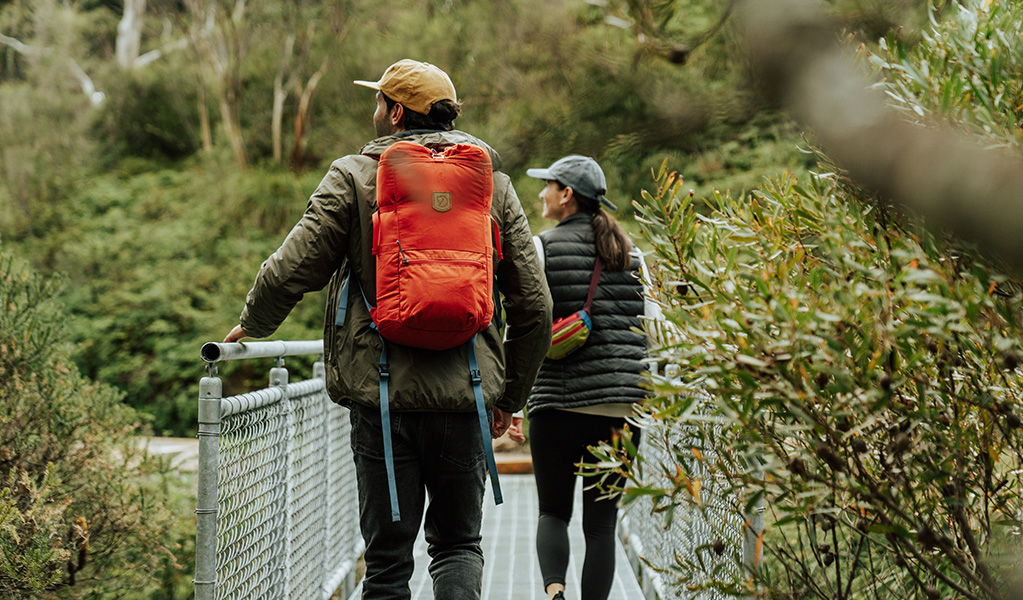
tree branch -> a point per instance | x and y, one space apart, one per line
158 53
280 95
949 178
94 96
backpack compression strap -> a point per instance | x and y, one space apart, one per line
496 235
481 412
385 425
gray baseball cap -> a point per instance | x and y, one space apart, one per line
581 173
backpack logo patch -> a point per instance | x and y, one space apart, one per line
442 201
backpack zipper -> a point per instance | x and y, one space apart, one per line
404 260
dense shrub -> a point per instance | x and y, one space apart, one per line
865 373
150 113
852 371
160 264
81 506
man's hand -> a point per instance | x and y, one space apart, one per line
502 421
236 334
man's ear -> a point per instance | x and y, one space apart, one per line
397 117
569 194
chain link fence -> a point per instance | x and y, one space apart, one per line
277 486
701 542
276 515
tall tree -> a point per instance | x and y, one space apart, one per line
129 33
219 35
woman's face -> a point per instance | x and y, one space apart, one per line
554 201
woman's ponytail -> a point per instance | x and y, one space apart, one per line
613 245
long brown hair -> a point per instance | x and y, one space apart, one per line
613 244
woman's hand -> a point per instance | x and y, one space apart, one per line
515 431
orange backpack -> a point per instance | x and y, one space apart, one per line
432 238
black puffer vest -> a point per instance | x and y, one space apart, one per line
608 368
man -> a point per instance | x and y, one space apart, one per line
436 438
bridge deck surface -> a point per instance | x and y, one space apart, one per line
509 537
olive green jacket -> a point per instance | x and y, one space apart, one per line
333 240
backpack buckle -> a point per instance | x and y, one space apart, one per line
474 375
384 369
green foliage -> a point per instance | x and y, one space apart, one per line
159 264
964 71
32 550
865 373
874 19
41 165
81 506
150 113
846 367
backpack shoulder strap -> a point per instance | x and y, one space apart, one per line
481 412
385 411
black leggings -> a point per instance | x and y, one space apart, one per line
558 440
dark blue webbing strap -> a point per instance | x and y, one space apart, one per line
497 306
481 412
342 301
385 424
385 408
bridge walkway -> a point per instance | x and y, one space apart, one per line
511 571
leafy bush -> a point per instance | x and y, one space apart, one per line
854 372
150 113
866 373
160 264
965 71
81 506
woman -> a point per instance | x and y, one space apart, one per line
582 399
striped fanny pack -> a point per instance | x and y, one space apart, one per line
571 332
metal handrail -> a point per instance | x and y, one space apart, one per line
213 352
214 410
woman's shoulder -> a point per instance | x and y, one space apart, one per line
571 231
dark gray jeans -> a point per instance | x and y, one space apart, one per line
440 454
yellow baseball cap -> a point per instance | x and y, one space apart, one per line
413 84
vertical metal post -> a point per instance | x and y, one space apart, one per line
752 540
210 393
279 378
328 519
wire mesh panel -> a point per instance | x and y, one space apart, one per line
286 506
307 480
251 503
699 541
343 537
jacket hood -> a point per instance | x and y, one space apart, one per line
431 138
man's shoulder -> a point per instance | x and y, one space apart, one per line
349 162
355 166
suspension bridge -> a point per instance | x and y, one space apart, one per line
277 510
